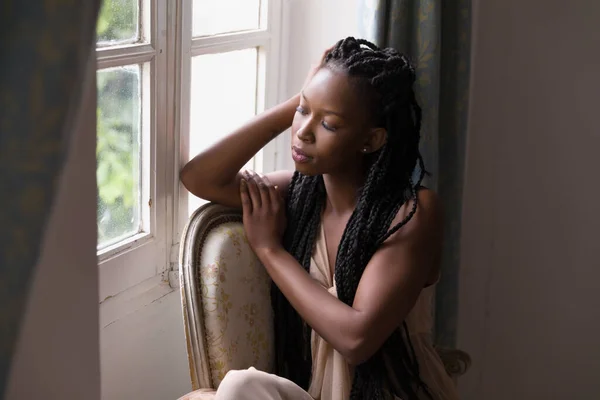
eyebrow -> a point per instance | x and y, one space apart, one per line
324 111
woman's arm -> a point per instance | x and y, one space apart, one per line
214 174
389 286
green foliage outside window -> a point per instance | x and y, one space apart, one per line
118 129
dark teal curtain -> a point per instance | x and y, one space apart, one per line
436 35
44 47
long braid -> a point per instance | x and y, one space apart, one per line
387 77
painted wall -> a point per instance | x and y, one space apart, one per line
529 294
142 344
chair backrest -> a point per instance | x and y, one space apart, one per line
225 298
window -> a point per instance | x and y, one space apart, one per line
230 50
173 77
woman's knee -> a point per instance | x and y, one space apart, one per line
239 384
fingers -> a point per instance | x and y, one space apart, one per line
253 190
245 197
263 186
260 191
325 53
274 197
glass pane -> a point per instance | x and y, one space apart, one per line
212 17
118 154
223 98
118 22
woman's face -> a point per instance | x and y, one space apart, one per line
330 127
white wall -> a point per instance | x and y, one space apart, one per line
142 344
57 354
529 293
313 26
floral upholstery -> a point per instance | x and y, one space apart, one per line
225 296
226 303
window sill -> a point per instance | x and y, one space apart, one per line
131 268
128 244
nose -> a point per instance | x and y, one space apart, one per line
305 132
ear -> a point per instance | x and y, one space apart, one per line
375 140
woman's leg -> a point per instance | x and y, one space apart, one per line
251 384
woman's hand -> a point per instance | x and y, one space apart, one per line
316 67
264 213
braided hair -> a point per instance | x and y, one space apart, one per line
386 78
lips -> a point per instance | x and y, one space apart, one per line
299 156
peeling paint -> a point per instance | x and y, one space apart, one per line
107 297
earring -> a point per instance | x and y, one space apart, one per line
365 150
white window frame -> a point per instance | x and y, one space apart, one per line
168 50
142 256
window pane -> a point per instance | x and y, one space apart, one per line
212 17
118 22
223 98
118 154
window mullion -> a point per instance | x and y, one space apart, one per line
163 135
182 108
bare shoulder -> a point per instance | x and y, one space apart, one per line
419 242
427 221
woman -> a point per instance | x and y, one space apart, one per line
351 239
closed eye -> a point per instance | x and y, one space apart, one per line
329 128
301 110
325 125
